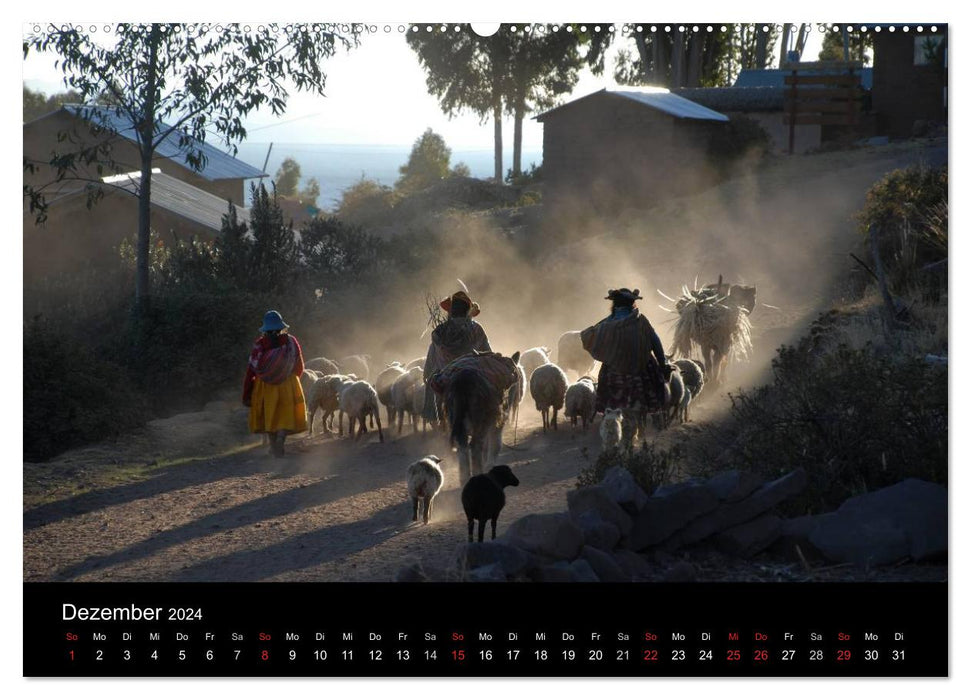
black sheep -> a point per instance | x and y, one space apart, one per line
483 497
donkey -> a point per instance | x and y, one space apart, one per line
475 411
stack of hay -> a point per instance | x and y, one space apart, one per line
706 319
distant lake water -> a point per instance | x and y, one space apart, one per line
338 166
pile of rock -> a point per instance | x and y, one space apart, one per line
615 532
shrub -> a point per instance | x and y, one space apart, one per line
527 177
908 209
367 203
855 419
650 466
73 394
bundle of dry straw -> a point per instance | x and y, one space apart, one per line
706 320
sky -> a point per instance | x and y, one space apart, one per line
375 94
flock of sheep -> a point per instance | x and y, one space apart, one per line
338 388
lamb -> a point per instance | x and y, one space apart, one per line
425 480
322 366
533 358
548 389
324 395
417 362
356 364
483 497
383 384
612 429
570 354
359 400
403 397
581 402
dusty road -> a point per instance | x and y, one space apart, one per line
333 510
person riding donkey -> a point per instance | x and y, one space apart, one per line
455 337
634 369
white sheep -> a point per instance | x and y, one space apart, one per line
425 480
322 366
417 362
533 358
383 382
581 402
357 365
323 395
418 405
612 429
359 400
547 386
403 397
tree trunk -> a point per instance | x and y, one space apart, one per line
146 147
647 70
801 40
677 61
784 44
694 60
761 47
517 136
497 121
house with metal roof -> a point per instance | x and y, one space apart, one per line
73 127
185 202
627 145
76 237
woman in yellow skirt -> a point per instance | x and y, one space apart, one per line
272 387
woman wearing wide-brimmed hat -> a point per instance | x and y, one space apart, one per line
456 336
272 386
634 368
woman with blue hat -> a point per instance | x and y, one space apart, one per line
272 386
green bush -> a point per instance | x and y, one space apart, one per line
650 466
908 211
855 419
367 203
73 394
527 177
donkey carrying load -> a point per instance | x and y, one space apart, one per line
475 388
714 319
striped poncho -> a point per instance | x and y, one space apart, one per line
628 345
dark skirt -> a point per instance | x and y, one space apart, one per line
641 392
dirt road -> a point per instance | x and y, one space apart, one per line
334 510
331 510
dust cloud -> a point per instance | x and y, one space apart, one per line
786 228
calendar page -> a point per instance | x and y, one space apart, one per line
567 349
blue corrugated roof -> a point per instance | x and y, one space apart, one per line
657 98
219 164
775 77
